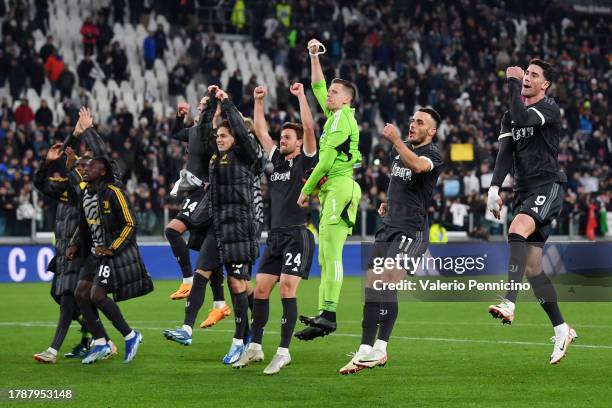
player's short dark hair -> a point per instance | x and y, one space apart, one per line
434 115
550 73
348 85
296 127
225 123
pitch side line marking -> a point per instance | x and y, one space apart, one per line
434 339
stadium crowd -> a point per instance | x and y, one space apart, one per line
451 56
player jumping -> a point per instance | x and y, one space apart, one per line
529 140
339 194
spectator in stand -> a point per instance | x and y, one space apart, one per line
119 63
90 33
44 115
235 88
150 51
195 53
125 119
178 80
17 79
48 49
161 42
213 56
7 209
23 114
36 74
84 71
65 82
54 67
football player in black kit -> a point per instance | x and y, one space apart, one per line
290 245
417 163
194 209
529 142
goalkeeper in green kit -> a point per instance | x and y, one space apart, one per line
339 194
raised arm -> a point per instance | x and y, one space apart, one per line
95 142
57 188
318 84
178 131
316 72
259 118
247 146
206 123
310 141
519 113
416 163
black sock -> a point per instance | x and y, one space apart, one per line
180 251
331 316
216 285
195 299
113 313
251 298
290 312
261 312
85 341
388 316
546 294
67 306
106 336
241 313
516 263
92 321
84 333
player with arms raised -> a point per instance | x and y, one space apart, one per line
339 194
529 142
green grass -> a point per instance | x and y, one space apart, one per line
441 355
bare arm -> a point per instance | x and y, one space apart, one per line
310 141
259 117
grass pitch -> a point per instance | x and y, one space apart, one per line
441 355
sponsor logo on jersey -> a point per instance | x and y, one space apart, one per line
522 133
401 172
276 176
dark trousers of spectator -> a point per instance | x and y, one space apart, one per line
41 21
88 83
65 93
15 92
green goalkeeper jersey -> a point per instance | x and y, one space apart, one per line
339 143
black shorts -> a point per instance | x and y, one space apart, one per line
289 251
88 268
392 241
543 204
209 260
195 209
104 275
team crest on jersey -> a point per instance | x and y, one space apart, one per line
224 159
106 205
402 172
522 133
